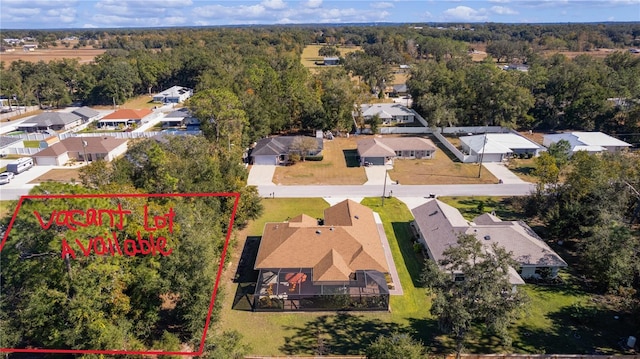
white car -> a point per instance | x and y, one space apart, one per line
6 177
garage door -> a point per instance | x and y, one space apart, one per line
264 160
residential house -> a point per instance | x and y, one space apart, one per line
86 113
81 149
592 142
175 94
496 147
126 118
29 47
389 113
331 61
176 118
276 150
53 121
382 150
7 142
438 226
337 263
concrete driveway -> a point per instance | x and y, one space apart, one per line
502 172
376 175
261 175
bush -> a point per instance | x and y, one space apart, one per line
314 158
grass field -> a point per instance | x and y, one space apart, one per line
84 55
560 318
310 54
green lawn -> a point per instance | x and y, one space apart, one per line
31 144
562 318
471 207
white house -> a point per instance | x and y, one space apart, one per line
389 113
175 94
438 225
495 147
592 142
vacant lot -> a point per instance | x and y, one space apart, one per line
83 55
65 175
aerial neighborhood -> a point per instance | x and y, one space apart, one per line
397 191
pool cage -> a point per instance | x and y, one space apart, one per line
291 289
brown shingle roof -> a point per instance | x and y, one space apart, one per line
74 144
348 241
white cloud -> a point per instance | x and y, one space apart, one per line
381 5
465 13
500 1
427 15
502 10
313 4
274 4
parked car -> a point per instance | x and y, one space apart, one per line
6 177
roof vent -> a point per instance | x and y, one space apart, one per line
318 231
356 217
331 229
487 237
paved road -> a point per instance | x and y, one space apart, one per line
397 190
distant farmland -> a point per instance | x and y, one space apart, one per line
83 55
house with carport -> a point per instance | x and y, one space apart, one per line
126 117
384 150
87 114
87 149
437 226
591 142
496 147
334 263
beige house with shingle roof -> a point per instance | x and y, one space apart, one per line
80 148
382 150
330 264
438 226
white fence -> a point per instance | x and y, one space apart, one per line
21 151
456 152
400 130
463 131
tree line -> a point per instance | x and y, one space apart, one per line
129 302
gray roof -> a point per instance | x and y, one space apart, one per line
400 88
86 112
47 119
180 113
386 110
440 225
6 141
277 145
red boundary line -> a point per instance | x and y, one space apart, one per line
112 195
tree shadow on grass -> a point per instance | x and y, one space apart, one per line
412 260
351 158
246 276
580 329
337 334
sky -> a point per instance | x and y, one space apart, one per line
59 14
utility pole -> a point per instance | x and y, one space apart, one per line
484 144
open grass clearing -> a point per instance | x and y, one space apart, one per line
523 168
83 55
139 102
310 54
